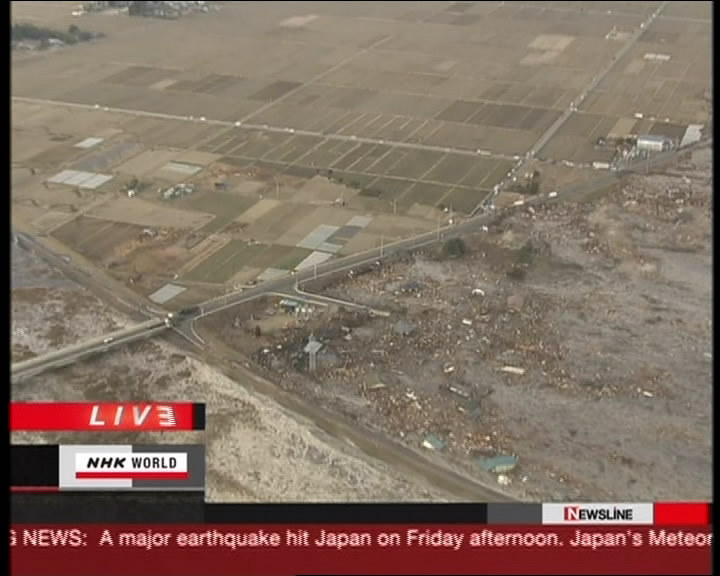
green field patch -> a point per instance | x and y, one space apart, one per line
451 169
298 171
217 203
354 180
268 166
415 164
291 259
225 263
260 144
378 205
386 162
294 154
319 156
373 155
425 193
371 193
193 295
236 161
482 168
497 174
341 148
353 156
215 143
387 188
225 208
278 256
464 201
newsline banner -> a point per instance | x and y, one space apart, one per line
237 550
173 507
107 416
49 468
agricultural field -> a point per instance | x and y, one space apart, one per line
397 118
224 207
237 254
294 133
96 239
324 113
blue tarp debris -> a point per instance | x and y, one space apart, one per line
498 464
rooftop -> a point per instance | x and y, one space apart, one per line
313 347
652 138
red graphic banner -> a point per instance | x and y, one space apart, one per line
237 550
86 416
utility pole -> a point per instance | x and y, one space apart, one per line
382 245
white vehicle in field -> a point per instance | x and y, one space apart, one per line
552 195
108 340
519 202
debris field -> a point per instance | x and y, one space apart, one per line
564 352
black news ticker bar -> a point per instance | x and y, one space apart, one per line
190 508
390 513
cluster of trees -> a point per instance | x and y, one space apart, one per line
530 187
454 248
30 32
137 8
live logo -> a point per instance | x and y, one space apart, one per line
135 416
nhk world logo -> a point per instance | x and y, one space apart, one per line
131 466
597 513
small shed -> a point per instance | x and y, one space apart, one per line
653 143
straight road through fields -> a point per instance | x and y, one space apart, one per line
240 125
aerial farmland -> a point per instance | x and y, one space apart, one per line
180 160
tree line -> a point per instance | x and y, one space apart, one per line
30 32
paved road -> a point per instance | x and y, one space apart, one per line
521 166
373 444
240 125
282 284
82 350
